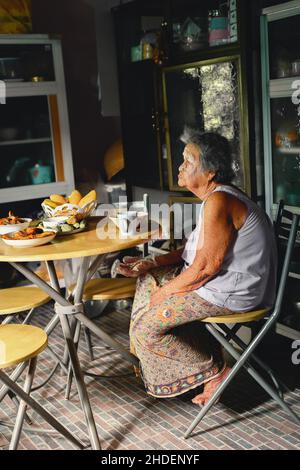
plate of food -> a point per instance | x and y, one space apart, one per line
64 225
12 223
29 237
74 204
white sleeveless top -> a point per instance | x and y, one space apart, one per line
247 279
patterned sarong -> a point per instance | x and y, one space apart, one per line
176 352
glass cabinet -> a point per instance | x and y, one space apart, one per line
205 96
34 129
180 64
195 28
281 104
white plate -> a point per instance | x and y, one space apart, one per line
54 223
29 243
5 229
76 230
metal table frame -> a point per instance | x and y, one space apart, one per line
72 307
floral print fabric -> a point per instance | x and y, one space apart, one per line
175 350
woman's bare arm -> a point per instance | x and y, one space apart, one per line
219 234
174 257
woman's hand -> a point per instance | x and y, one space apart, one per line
134 267
158 296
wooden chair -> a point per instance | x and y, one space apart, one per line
20 344
16 300
101 289
248 360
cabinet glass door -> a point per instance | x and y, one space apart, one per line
26 63
285 118
280 54
206 98
284 38
29 142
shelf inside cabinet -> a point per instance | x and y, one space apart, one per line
24 141
290 151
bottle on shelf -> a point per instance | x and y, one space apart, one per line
218 31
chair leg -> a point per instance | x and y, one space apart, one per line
28 317
14 376
88 340
7 320
279 385
70 371
39 409
241 362
212 399
22 406
15 401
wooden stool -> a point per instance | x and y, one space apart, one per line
21 299
109 289
101 289
18 344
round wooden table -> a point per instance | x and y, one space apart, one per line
82 245
79 245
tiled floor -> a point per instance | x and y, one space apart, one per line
129 419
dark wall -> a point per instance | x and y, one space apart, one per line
91 134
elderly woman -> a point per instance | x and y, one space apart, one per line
228 265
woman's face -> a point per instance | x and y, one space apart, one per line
190 175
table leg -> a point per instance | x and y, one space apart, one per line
54 292
107 339
85 274
82 392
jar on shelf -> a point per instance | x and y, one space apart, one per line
147 51
218 28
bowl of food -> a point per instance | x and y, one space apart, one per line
73 205
29 237
64 225
13 223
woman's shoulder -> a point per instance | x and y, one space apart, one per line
231 204
224 195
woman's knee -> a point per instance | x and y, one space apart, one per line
144 330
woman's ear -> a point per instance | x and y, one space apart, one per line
211 175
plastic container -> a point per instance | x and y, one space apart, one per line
10 69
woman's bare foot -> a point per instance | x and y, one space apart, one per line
210 388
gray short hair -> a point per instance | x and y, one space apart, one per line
215 153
